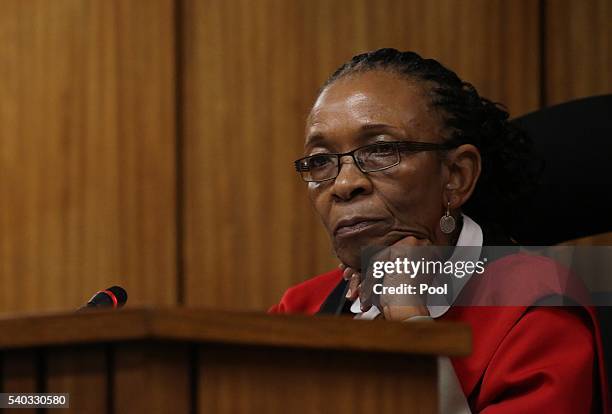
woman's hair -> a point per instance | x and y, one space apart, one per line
510 171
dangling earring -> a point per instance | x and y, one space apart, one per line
447 222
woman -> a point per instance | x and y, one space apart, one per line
400 152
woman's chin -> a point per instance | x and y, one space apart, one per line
350 260
350 253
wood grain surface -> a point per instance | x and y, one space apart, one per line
82 372
87 182
197 361
251 380
20 373
203 326
151 378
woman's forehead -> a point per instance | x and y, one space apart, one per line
371 98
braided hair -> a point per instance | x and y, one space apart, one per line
510 171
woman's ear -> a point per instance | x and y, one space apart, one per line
464 165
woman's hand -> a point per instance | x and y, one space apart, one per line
354 279
362 286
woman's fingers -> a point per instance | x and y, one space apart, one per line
407 247
398 307
354 279
361 286
366 305
347 273
353 290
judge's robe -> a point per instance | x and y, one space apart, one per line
525 359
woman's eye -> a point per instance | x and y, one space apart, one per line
319 161
382 150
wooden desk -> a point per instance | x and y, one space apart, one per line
181 360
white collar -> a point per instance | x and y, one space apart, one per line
471 235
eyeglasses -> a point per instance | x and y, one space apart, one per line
370 158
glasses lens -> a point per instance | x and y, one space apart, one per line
377 157
321 167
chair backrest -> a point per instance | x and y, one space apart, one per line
575 199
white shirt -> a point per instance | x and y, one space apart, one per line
452 399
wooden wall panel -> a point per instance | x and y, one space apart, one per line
250 72
578 49
152 377
325 382
87 184
81 372
20 373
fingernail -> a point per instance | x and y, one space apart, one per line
345 274
349 294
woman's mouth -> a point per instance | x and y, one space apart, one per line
356 227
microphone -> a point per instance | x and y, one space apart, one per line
113 297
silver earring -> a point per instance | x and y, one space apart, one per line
447 222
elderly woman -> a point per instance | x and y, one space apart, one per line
400 152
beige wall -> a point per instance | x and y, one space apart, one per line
150 143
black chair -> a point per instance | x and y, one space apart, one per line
575 141
574 200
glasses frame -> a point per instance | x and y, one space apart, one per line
399 146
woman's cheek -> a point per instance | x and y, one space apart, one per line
317 199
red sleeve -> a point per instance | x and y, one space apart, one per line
545 364
307 297
278 308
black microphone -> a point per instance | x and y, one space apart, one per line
113 297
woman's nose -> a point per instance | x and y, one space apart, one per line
350 181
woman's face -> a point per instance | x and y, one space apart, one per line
377 208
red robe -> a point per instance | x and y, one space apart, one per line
525 359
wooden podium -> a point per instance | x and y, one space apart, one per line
205 361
